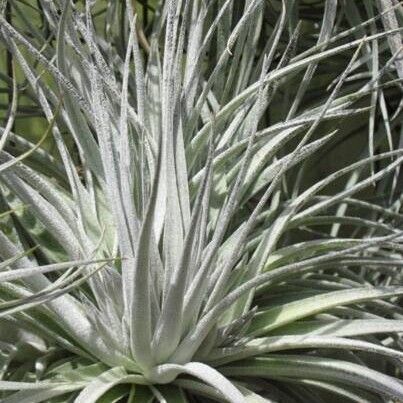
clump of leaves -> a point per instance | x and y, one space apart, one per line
221 220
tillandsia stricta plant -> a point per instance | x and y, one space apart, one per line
213 212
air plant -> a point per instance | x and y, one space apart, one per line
189 239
